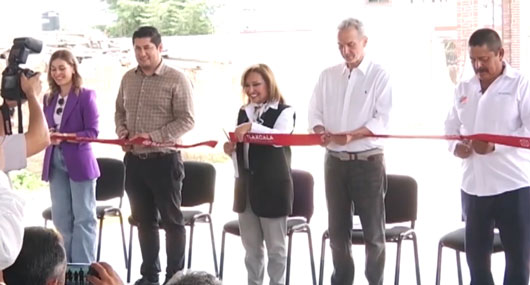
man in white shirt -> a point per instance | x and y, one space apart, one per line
352 100
496 182
13 152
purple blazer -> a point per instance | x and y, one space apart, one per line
81 117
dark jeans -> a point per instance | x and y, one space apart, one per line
510 213
358 185
154 189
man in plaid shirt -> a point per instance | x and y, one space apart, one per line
154 102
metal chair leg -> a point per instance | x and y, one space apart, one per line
416 258
123 240
190 247
129 259
398 260
213 245
322 255
221 261
289 248
439 264
311 255
459 265
99 237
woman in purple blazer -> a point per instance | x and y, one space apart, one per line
70 167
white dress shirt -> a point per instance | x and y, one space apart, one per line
503 109
345 101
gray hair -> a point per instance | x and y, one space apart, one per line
352 23
193 278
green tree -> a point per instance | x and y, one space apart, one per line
174 17
171 17
195 16
130 15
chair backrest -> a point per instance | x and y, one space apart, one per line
111 182
198 186
303 194
401 200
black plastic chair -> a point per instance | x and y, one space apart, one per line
198 187
297 222
109 185
456 241
401 206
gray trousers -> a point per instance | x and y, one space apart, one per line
358 185
254 230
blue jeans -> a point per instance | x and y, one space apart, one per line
356 186
73 211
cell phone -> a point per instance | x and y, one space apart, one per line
76 273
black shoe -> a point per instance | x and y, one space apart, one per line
145 281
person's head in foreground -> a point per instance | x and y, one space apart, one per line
42 260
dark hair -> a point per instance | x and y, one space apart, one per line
42 258
77 80
487 37
148 32
193 278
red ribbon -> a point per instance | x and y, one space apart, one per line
314 139
522 142
299 139
279 139
136 141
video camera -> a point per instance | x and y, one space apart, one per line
11 89
20 50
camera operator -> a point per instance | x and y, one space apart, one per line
14 150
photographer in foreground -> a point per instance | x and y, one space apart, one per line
14 150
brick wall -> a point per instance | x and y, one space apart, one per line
467 21
510 31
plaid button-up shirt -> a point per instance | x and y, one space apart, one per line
160 105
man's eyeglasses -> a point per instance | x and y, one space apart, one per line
60 109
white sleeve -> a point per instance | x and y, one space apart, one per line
14 152
11 224
523 101
383 103
316 106
283 125
453 123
